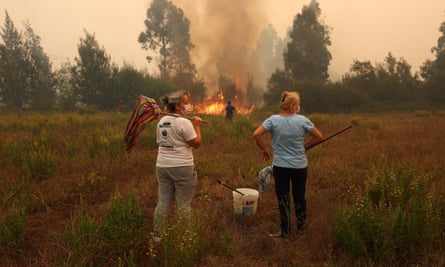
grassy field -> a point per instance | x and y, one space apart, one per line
71 196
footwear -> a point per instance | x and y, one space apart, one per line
300 230
280 234
155 237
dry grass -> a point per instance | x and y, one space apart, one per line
91 165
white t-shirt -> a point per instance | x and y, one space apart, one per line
172 134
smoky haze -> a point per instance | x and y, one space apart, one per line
225 35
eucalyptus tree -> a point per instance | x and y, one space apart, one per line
307 57
64 91
26 79
41 80
167 34
92 75
13 89
182 68
433 71
268 53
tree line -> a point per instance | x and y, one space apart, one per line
27 80
389 85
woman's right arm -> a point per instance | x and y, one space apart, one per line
257 134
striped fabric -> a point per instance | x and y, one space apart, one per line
145 110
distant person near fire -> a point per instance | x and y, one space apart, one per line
230 110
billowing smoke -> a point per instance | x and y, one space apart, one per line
225 33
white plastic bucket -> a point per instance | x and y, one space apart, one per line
245 204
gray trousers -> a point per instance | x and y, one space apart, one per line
174 182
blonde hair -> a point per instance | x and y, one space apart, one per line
290 101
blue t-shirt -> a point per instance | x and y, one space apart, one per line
288 139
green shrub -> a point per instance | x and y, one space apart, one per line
243 126
183 239
422 113
15 151
85 245
40 164
12 228
115 240
396 216
122 227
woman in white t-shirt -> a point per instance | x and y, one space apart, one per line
175 170
288 129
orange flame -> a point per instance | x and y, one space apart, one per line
218 108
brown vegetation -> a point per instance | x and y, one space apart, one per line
90 166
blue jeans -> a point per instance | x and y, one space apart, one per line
284 177
175 182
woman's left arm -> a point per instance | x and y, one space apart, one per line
196 142
316 136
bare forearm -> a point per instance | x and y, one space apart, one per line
316 137
196 143
260 143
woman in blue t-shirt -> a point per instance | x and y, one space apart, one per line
289 162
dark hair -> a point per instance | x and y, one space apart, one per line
171 100
169 106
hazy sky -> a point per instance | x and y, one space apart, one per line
361 29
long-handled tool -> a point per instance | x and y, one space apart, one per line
178 115
228 186
329 137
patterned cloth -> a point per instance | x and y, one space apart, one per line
145 110
265 179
